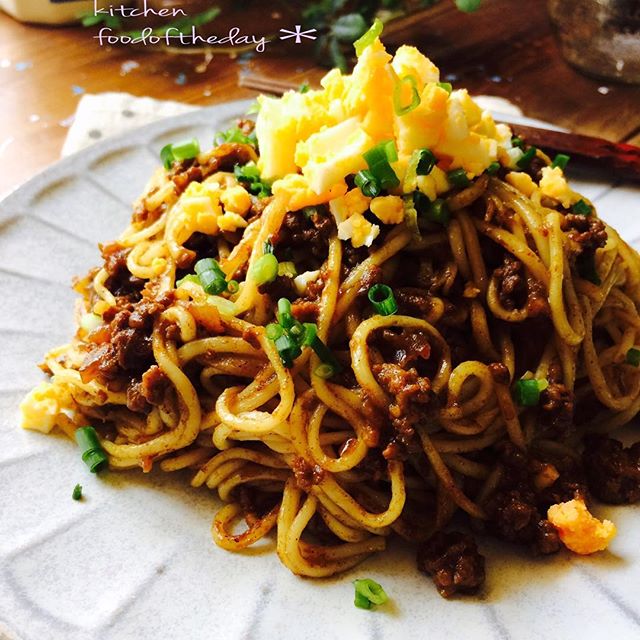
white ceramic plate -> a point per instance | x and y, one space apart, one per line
135 558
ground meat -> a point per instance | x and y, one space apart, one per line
556 408
281 287
121 283
613 471
128 352
150 390
372 275
537 299
305 310
511 283
413 301
453 561
306 475
588 232
405 347
411 393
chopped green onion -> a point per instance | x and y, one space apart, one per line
581 208
633 357
527 392
310 333
366 39
77 492
447 86
287 269
308 212
274 331
367 183
517 142
265 269
288 349
324 371
267 247
382 298
93 455
324 353
379 158
166 155
246 173
211 276
411 216
468 6
399 108
493 168
235 134
190 277
458 178
284 313
233 286
586 267
561 160
436 211
426 162
368 593
304 87
186 149
526 158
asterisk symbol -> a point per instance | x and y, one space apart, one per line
298 34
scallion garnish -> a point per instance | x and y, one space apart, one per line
233 286
581 208
274 331
367 38
285 317
379 158
211 276
77 492
288 349
304 87
176 151
249 176
309 334
324 371
426 162
382 298
447 86
526 158
399 108
190 277
527 392
93 455
561 160
493 168
458 178
436 211
265 269
586 267
633 357
368 593
516 141
367 183
235 134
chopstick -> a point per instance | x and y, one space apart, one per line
619 159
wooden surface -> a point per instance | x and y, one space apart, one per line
505 49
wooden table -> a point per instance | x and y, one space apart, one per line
505 49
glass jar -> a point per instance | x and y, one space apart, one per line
600 37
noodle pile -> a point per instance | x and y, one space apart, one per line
409 433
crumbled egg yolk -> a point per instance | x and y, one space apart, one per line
351 203
359 230
434 184
41 407
580 531
522 182
554 185
200 208
388 209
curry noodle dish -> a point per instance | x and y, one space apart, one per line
375 312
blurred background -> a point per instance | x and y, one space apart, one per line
574 63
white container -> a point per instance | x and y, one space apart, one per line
47 11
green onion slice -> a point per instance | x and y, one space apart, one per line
185 149
324 371
367 183
190 277
233 286
93 455
166 155
288 349
382 298
426 162
368 593
274 331
379 158
527 392
285 318
493 168
310 333
561 160
526 158
447 86
633 357
458 178
77 492
265 269
399 108
581 208
436 211
516 141
325 354
367 38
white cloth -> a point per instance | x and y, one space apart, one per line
101 115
